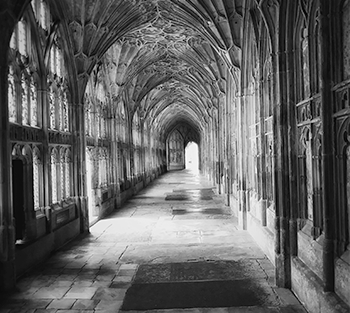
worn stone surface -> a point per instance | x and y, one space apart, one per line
145 248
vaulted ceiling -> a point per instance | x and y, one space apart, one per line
168 59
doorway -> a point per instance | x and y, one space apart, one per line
192 156
18 198
175 149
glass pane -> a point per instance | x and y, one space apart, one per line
65 112
62 178
53 177
52 109
22 38
36 179
33 103
67 178
12 97
25 109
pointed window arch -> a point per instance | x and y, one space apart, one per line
58 91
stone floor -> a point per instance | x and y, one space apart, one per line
174 247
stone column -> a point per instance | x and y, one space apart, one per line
7 231
242 140
281 171
79 153
327 147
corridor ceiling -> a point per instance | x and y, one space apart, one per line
168 59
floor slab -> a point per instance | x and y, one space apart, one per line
174 247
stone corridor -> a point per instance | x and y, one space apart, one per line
174 247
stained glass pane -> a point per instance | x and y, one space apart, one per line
87 121
65 112
305 63
52 109
22 38
99 126
33 103
43 15
309 175
36 179
53 177
58 69
52 59
60 117
34 7
67 172
13 42
25 107
62 178
12 97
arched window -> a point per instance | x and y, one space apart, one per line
42 13
58 92
22 87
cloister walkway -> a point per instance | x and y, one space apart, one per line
174 247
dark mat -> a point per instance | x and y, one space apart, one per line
196 271
177 197
187 197
204 189
209 211
209 294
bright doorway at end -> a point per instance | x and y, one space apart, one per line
191 156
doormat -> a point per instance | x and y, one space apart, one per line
199 285
207 211
209 294
177 197
198 271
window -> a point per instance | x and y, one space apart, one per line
58 92
305 64
12 103
65 173
22 85
54 164
22 38
36 178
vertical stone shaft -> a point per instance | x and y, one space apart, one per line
327 146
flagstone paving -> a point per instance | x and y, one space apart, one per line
174 247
